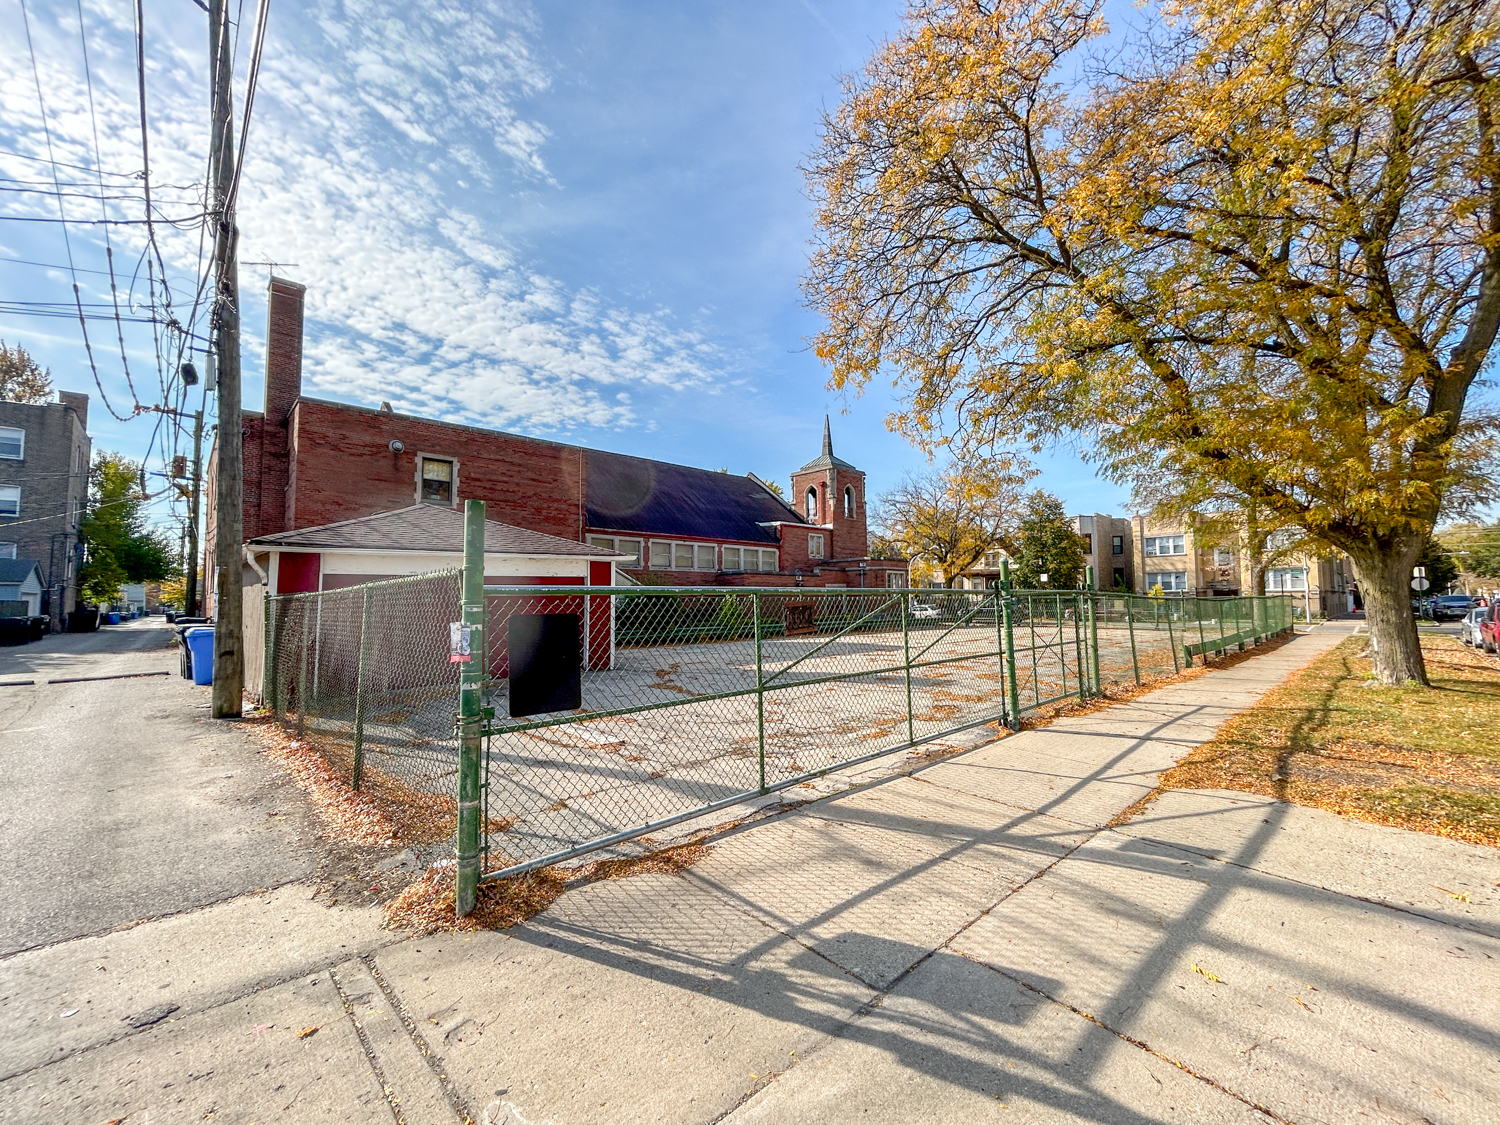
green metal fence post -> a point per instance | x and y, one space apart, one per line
359 689
270 643
1135 660
1198 613
760 692
302 674
1093 597
1009 657
1171 640
470 711
911 724
1078 652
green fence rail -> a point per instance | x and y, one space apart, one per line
691 699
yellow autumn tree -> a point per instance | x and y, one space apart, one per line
944 520
1255 248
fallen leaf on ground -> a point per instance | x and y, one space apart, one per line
1205 973
1461 896
258 1028
306 1031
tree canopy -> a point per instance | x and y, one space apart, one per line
1255 250
119 546
948 518
22 379
1047 544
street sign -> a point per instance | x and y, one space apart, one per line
1419 584
1419 572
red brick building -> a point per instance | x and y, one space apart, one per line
310 462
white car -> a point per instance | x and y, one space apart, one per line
1468 627
925 612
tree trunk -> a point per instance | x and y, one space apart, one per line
1384 574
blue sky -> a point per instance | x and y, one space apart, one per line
580 220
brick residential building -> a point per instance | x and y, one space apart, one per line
44 482
310 462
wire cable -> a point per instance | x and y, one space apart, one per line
62 211
109 250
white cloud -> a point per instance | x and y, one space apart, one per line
363 120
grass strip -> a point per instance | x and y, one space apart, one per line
1424 759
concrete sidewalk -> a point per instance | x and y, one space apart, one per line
968 943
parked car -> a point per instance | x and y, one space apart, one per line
1489 629
1468 628
1450 607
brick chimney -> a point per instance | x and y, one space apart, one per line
268 512
283 349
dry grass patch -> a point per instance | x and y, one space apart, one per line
1427 759
426 906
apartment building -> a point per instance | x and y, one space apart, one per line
44 479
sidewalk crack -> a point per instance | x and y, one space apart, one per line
450 1091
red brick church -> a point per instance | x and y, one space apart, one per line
310 462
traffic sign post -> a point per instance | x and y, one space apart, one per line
1419 584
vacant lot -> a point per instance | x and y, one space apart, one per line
1427 759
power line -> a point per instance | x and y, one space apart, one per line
109 250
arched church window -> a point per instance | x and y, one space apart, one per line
812 503
849 503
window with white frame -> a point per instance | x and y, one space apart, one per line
7 550
992 559
1166 579
666 555
437 481
733 558
10 499
1223 556
12 443
1117 544
848 503
631 548
815 546
1156 545
893 579
1286 579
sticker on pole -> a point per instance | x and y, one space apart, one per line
458 642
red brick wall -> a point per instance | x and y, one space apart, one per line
344 469
850 538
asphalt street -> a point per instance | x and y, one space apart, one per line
123 800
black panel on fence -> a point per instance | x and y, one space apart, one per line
546 663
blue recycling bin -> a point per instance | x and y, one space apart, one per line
200 642
114 618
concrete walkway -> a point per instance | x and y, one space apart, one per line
970 943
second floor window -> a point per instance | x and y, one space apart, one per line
7 550
1117 544
848 503
815 546
812 503
1157 545
12 443
1223 556
437 481
10 499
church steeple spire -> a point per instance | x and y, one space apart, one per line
827 460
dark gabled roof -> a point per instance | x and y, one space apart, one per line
827 460
427 527
658 498
18 570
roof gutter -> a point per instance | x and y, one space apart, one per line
265 579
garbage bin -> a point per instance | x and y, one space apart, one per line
114 618
200 642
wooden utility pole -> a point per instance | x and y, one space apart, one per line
229 656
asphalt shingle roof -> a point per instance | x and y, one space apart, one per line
659 498
17 570
428 527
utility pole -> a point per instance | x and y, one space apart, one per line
229 656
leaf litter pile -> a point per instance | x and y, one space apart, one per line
426 905
1425 759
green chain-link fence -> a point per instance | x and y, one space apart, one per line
691 699
362 674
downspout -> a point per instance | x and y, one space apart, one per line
265 579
